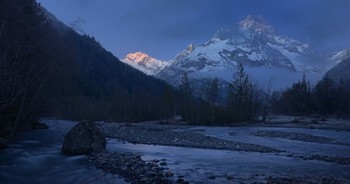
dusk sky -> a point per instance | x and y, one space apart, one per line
162 28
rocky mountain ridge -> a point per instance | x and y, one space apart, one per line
252 42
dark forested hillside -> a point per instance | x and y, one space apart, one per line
328 97
47 69
341 72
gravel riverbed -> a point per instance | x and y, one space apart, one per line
308 138
133 169
151 133
299 137
164 135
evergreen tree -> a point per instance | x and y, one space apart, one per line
212 96
325 96
186 96
169 103
297 99
185 86
213 92
240 96
341 96
266 101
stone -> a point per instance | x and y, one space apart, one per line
229 177
296 121
84 138
169 174
212 177
180 180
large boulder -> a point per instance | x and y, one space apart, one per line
84 138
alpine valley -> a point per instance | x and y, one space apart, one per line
267 57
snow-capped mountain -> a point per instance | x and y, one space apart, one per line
145 63
342 70
252 42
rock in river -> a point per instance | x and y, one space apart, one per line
84 138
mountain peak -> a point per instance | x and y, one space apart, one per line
256 24
258 19
138 57
251 24
145 63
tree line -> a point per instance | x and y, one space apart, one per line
243 101
328 97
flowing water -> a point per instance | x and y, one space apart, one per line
199 165
35 157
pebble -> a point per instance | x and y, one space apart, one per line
229 177
180 180
304 180
169 174
212 177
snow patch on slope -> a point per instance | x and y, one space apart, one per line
211 52
295 58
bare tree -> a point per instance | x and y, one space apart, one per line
267 101
23 73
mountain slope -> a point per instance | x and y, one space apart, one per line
340 56
57 72
340 72
255 44
145 63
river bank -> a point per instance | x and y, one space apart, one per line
154 152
